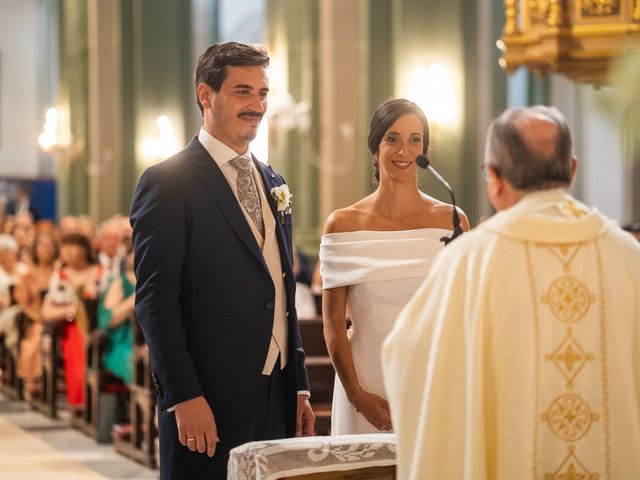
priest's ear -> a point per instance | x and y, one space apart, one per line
574 170
496 185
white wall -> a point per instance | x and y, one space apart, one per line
244 21
241 21
603 179
19 116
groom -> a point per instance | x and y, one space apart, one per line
215 293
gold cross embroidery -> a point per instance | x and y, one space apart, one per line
577 211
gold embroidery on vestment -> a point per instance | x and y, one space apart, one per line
569 417
571 468
568 298
573 208
564 252
569 358
604 367
536 360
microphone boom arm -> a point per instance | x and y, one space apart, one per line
423 162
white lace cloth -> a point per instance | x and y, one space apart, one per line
269 460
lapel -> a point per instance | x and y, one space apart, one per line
270 179
218 188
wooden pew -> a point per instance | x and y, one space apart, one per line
139 441
317 297
10 384
320 371
52 379
101 389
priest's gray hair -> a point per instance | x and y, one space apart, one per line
526 166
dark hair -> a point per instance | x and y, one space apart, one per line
632 227
81 241
211 68
34 246
528 168
25 187
385 116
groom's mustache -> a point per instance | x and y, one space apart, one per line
257 115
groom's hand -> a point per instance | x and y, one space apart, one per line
305 418
196 426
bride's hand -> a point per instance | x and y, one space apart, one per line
374 408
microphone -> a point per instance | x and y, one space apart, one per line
423 162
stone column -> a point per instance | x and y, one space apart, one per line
105 115
72 98
344 161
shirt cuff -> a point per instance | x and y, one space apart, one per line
305 392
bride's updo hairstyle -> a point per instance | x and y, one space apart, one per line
385 116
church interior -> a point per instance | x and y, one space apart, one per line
94 92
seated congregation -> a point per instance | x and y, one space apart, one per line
70 345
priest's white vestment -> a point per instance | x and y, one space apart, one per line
519 356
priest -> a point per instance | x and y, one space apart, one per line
519 357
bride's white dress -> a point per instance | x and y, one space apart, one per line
382 270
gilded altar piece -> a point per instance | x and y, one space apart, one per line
578 39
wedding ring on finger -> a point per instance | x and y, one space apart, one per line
191 440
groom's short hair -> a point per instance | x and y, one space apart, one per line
211 68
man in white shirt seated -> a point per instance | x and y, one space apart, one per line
111 252
10 268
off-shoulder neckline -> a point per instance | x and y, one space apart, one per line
386 232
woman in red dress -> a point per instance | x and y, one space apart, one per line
71 286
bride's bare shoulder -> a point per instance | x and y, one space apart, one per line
347 219
342 220
440 213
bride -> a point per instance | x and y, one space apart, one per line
374 254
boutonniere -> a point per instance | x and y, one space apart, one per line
282 196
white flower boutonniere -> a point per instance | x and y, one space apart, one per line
283 197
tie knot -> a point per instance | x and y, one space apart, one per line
242 164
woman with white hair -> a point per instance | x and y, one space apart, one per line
10 269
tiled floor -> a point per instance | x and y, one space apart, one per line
33 447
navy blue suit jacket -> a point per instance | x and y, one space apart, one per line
204 297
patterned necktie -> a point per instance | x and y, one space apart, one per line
248 192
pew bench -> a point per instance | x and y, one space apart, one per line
138 440
11 384
320 371
102 390
52 379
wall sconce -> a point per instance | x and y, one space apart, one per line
55 136
49 135
434 89
154 149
